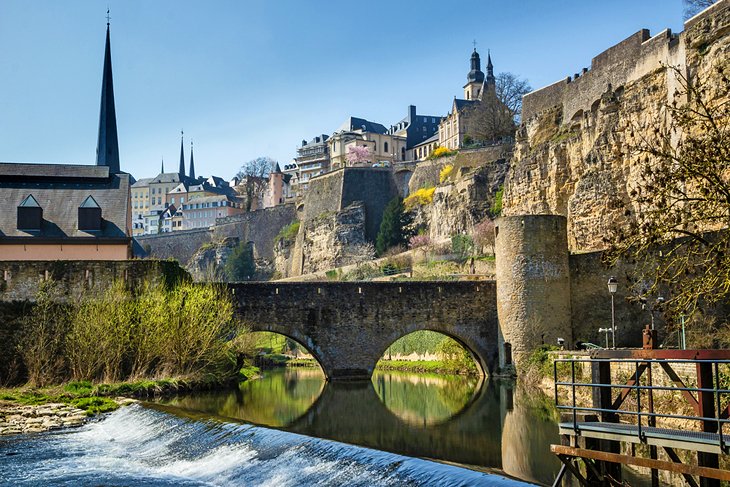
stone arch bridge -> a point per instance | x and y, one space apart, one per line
347 326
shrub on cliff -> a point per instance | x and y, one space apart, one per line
445 172
420 197
441 152
287 234
393 227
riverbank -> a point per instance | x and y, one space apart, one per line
28 409
427 366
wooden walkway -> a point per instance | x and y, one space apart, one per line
594 434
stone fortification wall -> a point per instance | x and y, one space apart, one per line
20 279
373 187
627 61
175 245
590 302
334 191
259 227
571 151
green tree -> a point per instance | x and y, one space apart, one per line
240 265
393 227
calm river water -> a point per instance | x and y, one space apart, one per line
279 431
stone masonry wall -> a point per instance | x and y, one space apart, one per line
175 245
259 227
20 280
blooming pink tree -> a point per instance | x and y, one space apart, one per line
418 241
357 154
483 235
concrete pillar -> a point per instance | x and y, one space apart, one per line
533 284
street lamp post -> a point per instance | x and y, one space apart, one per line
612 287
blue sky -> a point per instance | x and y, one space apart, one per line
252 78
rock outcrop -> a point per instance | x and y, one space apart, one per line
335 239
571 155
467 196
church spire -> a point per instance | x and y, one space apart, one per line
192 164
181 170
162 166
491 80
107 147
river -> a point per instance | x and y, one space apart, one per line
291 427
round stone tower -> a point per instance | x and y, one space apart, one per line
533 284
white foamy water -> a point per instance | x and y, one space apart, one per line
138 446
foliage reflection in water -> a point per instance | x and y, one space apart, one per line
488 425
424 399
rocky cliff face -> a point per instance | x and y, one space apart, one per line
207 262
572 155
468 195
330 240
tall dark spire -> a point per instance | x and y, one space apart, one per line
107 147
192 164
162 166
181 170
491 80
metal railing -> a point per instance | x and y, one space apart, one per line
640 365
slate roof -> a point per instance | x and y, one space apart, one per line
142 183
60 189
433 138
463 103
166 177
354 123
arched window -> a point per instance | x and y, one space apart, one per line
385 147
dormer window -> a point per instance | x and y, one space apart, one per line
90 215
30 214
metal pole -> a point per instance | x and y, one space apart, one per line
684 337
613 323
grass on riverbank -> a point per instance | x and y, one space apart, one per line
429 366
98 398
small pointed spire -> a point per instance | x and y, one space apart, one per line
490 80
192 164
181 170
107 147
162 167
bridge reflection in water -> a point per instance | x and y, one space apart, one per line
486 424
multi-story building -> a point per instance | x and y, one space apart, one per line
140 204
312 160
454 127
70 212
201 212
383 147
416 129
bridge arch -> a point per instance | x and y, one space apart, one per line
347 326
473 349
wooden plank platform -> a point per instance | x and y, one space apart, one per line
706 472
661 437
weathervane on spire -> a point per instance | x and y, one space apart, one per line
108 18
475 44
